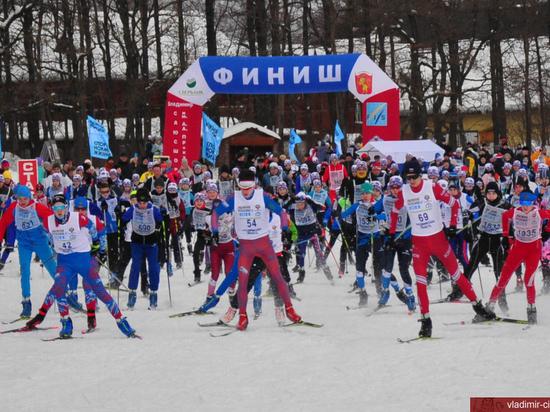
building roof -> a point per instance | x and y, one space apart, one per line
241 127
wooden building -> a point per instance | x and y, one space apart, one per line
258 139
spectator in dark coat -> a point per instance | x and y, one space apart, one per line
124 168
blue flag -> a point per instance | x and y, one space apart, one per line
99 139
338 136
292 142
212 136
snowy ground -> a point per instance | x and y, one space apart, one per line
353 363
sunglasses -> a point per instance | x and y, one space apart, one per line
78 209
103 192
59 207
412 177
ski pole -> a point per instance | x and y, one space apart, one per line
403 232
111 273
107 250
480 282
348 250
168 263
468 225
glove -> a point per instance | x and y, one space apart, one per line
505 243
371 211
95 250
390 242
104 206
451 233
545 235
215 239
102 255
163 211
210 303
180 232
207 238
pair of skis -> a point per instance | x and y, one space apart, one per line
234 328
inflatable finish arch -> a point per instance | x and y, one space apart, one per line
277 75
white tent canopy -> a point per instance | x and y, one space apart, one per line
398 149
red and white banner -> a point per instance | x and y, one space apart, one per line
182 130
28 173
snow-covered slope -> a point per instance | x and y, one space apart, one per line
353 363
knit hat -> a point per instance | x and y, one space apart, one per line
246 179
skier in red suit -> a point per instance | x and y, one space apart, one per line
422 202
526 248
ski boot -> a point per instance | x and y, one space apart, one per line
328 274
37 320
91 319
411 305
532 314
429 276
257 307
132 297
455 295
2 264
153 300
243 320
291 313
36 258
27 308
363 298
401 295
296 268
502 303
425 326
72 300
483 313
301 275
208 297
115 282
280 316
354 286
545 290
125 328
67 328
208 268
190 249
384 296
197 274
291 291
519 284
144 284
229 315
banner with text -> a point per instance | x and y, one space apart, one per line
212 136
99 139
355 73
182 130
28 173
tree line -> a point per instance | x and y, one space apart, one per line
61 60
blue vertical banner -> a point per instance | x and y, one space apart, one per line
99 139
292 142
338 136
212 136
